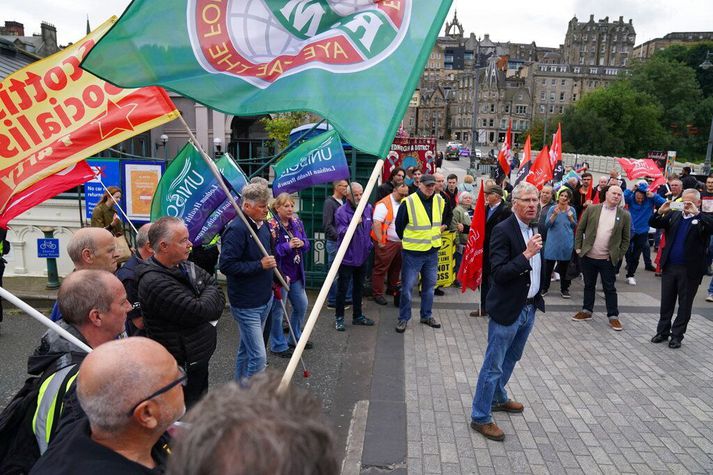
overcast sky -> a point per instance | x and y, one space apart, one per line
519 21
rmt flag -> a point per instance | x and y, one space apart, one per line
355 62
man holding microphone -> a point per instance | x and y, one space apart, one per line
515 278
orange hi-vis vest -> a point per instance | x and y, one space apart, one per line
387 220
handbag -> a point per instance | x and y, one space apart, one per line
122 249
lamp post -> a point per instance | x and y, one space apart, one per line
474 121
706 65
162 143
218 142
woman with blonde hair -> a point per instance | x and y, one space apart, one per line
104 215
290 244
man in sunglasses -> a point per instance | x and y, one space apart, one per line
129 406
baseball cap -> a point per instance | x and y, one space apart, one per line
428 179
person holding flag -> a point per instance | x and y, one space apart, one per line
462 216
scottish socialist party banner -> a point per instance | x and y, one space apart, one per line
56 114
188 190
355 62
318 160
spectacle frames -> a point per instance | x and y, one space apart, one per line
180 380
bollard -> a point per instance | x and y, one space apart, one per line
52 274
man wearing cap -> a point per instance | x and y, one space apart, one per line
497 211
419 224
641 202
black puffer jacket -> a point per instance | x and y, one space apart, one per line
178 305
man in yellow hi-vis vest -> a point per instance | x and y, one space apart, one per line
419 225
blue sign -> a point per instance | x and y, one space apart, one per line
93 189
47 248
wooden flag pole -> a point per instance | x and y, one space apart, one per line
314 314
219 178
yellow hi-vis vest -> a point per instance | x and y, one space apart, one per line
49 404
422 233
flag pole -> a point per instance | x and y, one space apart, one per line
43 320
229 195
314 314
118 206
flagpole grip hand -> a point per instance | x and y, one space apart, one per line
268 262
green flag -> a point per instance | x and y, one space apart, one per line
355 62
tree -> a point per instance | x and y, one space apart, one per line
278 126
617 120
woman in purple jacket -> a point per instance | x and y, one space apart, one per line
354 262
290 244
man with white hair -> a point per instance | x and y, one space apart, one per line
129 406
250 276
517 275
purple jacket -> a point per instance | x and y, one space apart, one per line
360 246
285 255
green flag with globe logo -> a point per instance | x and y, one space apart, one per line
355 62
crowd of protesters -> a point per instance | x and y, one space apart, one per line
565 230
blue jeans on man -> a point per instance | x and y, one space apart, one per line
412 264
251 357
506 344
331 248
298 298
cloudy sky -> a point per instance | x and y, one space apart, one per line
521 21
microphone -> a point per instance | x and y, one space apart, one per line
535 227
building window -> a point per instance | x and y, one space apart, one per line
491 122
542 95
542 108
552 96
563 82
492 107
561 96
507 108
552 109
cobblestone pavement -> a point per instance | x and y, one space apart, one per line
596 401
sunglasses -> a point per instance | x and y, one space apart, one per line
182 378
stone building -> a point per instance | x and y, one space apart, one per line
647 49
42 44
599 43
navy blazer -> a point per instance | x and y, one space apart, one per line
696 244
510 274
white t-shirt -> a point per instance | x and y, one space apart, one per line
380 215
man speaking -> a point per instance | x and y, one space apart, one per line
516 274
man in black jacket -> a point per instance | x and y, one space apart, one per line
688 235
515 295
329 209
128 276
180 303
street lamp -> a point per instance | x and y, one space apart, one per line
218 142
474 122
162 143
706 65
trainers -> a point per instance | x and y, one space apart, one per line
616 324
709 298
401 326
556 276
508 406
582 316
339 325
650 268
332 306
544 292
283 354
566 295
490 430
431 322
439 292
362 320
308 346
631 281
380 300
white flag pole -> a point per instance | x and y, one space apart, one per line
118 206
43 320
314 314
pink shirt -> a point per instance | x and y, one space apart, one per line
600 248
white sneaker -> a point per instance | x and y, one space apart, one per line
556 276
709 298
631 281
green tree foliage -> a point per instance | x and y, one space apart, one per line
278 126
617 120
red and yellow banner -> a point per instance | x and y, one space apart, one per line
54 114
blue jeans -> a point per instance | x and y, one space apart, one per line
251 351
505 347
413 263
332 247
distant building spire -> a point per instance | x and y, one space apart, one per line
89 29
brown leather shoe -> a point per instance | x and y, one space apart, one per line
490 430
478 312
508 406
616 324
582 316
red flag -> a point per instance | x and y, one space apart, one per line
72 176
556 150
470 274
506 151
641 168
526 164
541 170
